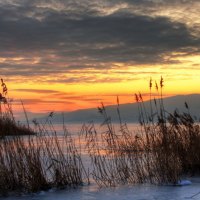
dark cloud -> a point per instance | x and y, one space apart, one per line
92 36
69 35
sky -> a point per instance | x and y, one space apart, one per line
64 55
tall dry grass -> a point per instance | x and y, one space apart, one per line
34 159
166 147
34 163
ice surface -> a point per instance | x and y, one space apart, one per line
137 192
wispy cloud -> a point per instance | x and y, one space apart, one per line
37 91
41 101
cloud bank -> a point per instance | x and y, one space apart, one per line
67 37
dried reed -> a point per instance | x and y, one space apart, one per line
166 148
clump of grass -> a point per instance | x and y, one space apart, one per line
165 149
115 156
173 139
34 159
34 163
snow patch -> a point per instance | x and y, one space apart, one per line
184 183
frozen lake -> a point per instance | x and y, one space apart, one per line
123 192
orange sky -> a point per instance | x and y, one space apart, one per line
66 55
46 97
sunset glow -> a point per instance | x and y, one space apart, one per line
67 55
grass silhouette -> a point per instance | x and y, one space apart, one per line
166 148
35 159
